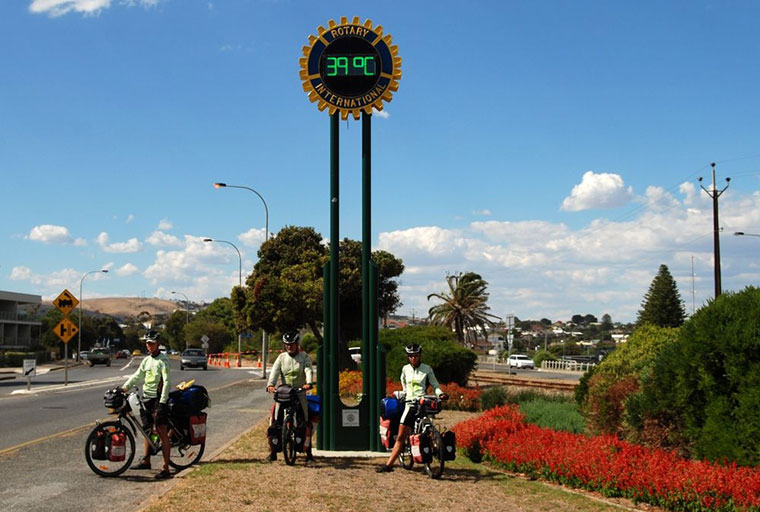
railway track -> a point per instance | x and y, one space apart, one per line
490 379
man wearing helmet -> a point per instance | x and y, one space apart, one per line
415 378
154 373
292 368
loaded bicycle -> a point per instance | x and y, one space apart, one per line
425 443
110 447
292 433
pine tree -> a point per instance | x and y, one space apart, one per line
662 304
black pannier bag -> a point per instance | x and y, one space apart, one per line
189 401
274 436
99 446
449 445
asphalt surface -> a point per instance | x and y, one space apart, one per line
42 465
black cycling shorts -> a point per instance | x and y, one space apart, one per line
409 414
151 412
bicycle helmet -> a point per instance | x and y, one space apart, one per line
291 337
413 349
152 336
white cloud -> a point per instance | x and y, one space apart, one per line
159 238
253 237
603 190
56 8
485 212
128 269
382 114
130 218
130 246
52 234
164 225
59 279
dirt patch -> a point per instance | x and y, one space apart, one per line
242 479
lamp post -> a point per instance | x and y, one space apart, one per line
79 340
240 274
187 311
266 239
742 233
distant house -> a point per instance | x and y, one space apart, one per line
18 329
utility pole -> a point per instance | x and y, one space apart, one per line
714 193
693 291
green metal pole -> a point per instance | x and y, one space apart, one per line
368 387
334 275
320 391
378 390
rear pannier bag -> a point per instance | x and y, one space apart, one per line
274 436
386 433
421 452
198 428
189 401
99 446
449 445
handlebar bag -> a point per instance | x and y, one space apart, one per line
284 394
421 452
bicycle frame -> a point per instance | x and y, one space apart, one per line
127 416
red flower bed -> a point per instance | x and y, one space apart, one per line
608 465
460 399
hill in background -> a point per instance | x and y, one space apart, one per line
125 307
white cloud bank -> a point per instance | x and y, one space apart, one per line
603 190
56 8
130 246
52 234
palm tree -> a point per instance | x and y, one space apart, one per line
464 308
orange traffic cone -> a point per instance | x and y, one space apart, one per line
226 360
258 365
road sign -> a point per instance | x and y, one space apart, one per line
204 341
30 368
65 302
66 330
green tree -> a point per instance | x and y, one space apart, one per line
219 334
174 326
285 290
464 308
662 304
607 322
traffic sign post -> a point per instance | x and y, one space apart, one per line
65 330
30 370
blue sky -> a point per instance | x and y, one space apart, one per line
553 147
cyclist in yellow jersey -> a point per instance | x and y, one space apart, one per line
415 378
293 368
154 373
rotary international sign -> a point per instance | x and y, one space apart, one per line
350 68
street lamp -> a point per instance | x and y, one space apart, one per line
187 311
266 239
240 270
742 233
81 305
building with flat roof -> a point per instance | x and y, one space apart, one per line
19 330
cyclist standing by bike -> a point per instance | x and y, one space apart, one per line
293 368
415 378
154 373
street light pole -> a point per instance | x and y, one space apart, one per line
79 342
187 311
266 239
742 233
240 275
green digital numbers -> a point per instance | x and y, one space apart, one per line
359 65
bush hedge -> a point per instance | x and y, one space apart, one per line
451 362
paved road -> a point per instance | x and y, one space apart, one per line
485 365
49 471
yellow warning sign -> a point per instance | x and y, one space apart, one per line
66 330
65 302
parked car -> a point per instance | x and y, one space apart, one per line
99 356
356 354
83 355
136 352
193 358
122 354
520 361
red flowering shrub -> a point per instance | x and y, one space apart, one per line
461 398
350 384
608 465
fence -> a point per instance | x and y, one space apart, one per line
572 366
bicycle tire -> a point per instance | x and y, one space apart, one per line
405 456
108 468
183 454
434 468
289 439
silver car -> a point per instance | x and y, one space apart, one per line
193 358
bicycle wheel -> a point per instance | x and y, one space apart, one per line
183 454
405 457
289 439
99 458
434 468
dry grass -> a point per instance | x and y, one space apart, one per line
241 479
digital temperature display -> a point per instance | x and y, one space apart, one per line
350 65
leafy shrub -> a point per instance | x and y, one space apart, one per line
493 397
552 414
450 361
541 356
14 359
461 398
309 343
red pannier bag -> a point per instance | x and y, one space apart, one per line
118 447
198 428
386 433
421 452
